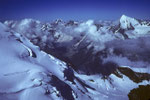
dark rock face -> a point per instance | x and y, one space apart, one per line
69 75
136 77
64 89
140 93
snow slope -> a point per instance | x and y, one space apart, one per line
28 73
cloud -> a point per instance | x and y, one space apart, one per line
130 52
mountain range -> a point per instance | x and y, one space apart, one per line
74 60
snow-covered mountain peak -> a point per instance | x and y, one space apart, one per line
124 17
58 20
128 22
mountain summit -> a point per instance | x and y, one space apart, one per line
128 22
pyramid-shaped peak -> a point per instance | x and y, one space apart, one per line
124 17
128 22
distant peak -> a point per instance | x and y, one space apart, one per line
124 17
128 22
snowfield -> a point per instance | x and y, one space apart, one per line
92 60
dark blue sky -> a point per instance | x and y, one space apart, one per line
73 9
